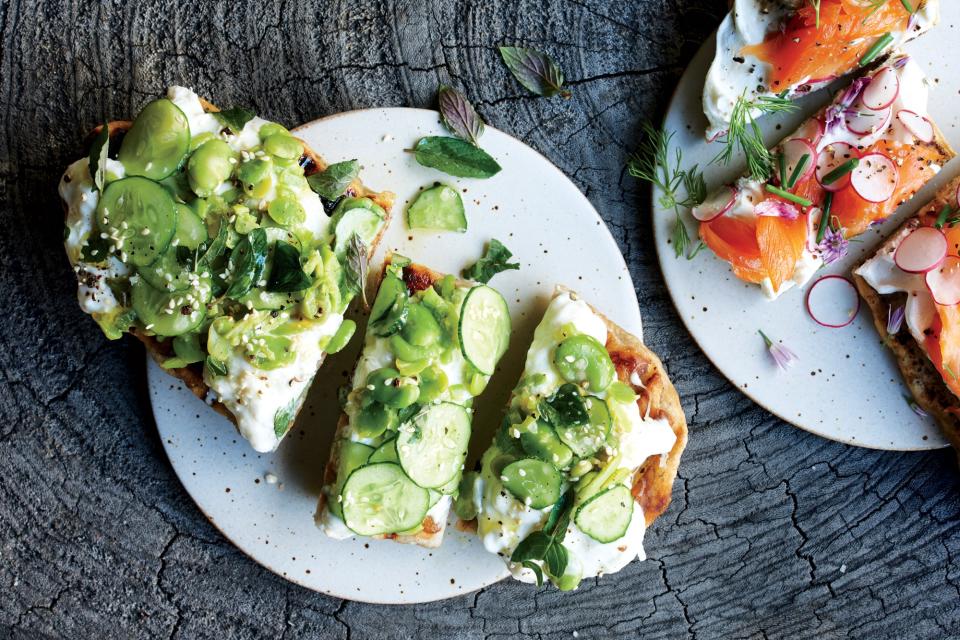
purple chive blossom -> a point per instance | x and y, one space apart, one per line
781 354
903 60
894 320
915 407
836 111
777 209
834 246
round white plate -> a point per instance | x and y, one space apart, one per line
846 386
558 238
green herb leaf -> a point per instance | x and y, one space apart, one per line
556 559
97 160
247 262
455 157
560 514
533 547
97 249
355 270
547 545
680 237
332 182
458 115
537 571
234 119
216 247
287 272
216 367
744 133
494 260
283 418
565 408
535 70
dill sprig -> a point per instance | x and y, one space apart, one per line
875 6
679 188
744 133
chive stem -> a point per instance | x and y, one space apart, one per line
882 43
906 5
782 161
825 217
942 216
797 170
841 171
786 195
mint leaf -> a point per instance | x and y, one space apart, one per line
283 418
332 182
355 270
455 157
234 119
533 547
535 70
216 367
556 559
533 566
97 160
493 261
247 262
287 272
565 408
458 115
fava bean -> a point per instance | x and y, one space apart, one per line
581 359
421 328
391 389
209 167
374 419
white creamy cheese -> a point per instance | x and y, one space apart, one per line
504 521
254 395
734 74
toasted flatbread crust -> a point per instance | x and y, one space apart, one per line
160 351
926 384
656 397
417 278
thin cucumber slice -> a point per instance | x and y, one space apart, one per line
439 207
169 314
606 516
484 328
157 141
141 215
167 273
379 498
386 452
350 457
533 482
391 287
542 442
191 231
362 220
585 440
433 446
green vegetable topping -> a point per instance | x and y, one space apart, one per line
332 182
455 157
494 260
535 70
439 207
234 118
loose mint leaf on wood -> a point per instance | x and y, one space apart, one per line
458 115
235 118
535 70
332 182
97 159
455 157
494 260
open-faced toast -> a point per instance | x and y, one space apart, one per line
81 196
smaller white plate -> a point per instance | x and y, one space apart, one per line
846 386
557 237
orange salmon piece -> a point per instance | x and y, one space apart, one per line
781 243
735 241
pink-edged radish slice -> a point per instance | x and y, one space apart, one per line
794 151
775 208
944 282
919 126
883 89
716 205
832 156
875 179
863 121
811 131
923 249
833 302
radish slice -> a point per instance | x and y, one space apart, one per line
716 205
882 90
875 179
923 249
811 131
920 127
944 282
833 302
831 157
777 209
793 152
864 121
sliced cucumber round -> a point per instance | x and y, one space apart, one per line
533 482
379 498
169 313
433 446
606 516
438 207
157 141
585 440
141 214
350 457
360 217
484 328
542 442
386 452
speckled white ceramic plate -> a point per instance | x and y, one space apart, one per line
265 503
845 387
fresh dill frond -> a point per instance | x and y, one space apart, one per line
679 188
744 133
816 8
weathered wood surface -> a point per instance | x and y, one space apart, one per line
773 533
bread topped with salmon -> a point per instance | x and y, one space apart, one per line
219 241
